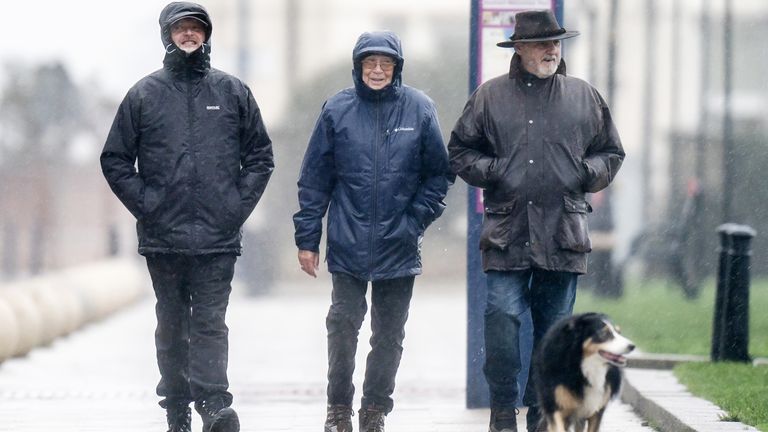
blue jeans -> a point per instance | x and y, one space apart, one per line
549 295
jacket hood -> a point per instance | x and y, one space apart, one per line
178 10
380 42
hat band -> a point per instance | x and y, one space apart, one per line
557 32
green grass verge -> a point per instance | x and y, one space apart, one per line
739 389
657 317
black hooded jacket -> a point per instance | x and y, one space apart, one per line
204 156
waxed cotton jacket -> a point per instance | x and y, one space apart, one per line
204 156
376 162
535 147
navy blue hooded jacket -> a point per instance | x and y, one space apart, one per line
377 164
203 154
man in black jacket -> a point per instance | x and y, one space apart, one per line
535 141
204 160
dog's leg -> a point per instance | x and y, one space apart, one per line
578 425
595 420
556 423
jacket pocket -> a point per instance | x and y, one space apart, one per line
151 202
233 209
497 228
572 231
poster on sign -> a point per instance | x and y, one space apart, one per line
497 23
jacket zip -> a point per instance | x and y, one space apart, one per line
190 144
375 183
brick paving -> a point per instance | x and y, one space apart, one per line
102 377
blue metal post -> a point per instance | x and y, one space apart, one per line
477 387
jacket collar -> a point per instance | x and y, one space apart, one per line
367 93
190 67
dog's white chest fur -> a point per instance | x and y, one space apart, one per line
596 395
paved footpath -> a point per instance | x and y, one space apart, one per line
102 377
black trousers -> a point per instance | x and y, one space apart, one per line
191 338
390 301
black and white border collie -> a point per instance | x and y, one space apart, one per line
577 371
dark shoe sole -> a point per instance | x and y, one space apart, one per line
226 421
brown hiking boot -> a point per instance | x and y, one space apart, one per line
339 419
372 419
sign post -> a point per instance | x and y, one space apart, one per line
491 21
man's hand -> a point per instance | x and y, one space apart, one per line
309 261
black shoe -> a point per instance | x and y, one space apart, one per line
217 418
372 419
533 420
179 419
503 420
339 419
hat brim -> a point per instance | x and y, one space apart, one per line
511 43
185 15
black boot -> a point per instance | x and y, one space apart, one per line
503 420
217 418
372 419
534 422
339 419
179 419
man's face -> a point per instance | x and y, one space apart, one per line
188 34
378 70
539 58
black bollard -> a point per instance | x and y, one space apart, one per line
730 339
735 343
720 293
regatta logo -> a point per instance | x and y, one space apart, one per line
403 129
212 107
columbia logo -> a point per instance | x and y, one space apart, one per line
212 107
403 129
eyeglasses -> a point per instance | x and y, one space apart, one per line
385 64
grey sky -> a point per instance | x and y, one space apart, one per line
109 43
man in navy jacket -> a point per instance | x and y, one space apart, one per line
377 164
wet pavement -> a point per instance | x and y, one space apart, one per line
102 377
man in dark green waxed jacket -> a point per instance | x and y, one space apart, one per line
536 141
204 159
